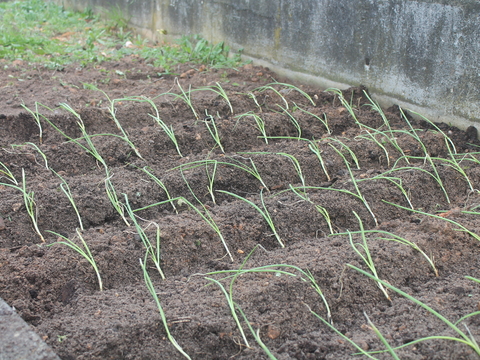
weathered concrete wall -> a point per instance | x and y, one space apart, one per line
423 55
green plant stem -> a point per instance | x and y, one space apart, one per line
153 293
84 251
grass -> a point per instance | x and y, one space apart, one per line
43 33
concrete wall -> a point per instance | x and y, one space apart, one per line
423 55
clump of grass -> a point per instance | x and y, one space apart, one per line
30 32
194 49
44 33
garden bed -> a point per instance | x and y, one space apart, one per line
273 179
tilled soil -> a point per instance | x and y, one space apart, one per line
56 290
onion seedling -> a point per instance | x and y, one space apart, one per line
427 157
28 197
90 148
346 147
277 269
324 121
250 170
445 136
209 122
84 250
394 180
147 171
381 337
112 196
399 239
269 87
206 216
293 121
295 88
297 167
460 226
367 258
151 289
113 113
465 338
232 306
6 173
408 168
66 190
339 333
346 104
211 178
313 146
30 205
391 138
220 91
42 154
168 130
323 211
256 334
36 116
237 164
264 212
371 137
455 164
358 194
252 96
151 250
186 97
259 122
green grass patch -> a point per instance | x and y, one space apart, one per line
44 33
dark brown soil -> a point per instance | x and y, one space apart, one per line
56 290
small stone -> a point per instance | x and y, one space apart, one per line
273 332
